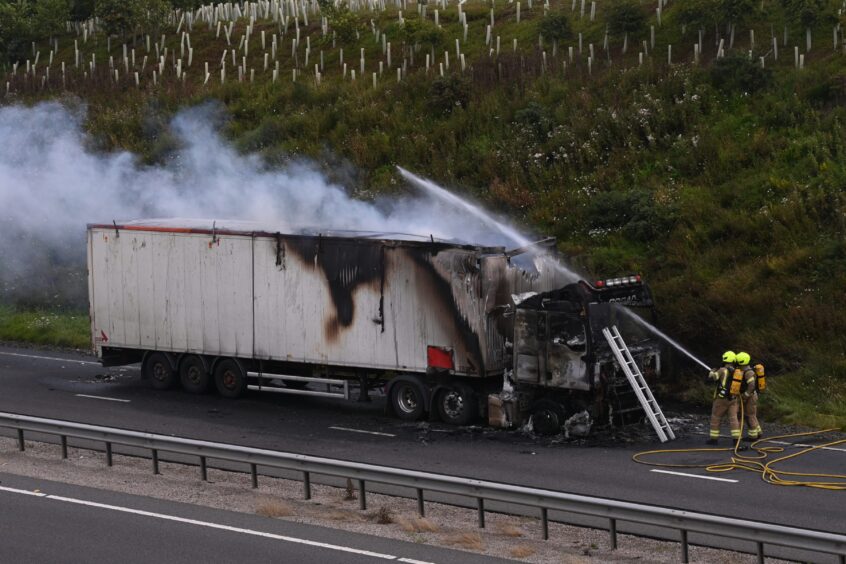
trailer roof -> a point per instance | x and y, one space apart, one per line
262 229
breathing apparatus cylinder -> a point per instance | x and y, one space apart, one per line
761 377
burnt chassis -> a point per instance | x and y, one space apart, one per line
562 365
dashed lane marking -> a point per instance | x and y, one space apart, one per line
802 445
694 476
362 431
218 526
102 398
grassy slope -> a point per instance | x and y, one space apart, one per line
731 203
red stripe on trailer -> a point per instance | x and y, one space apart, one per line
440 357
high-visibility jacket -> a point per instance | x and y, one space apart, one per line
750 380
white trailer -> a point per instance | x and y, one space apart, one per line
241 307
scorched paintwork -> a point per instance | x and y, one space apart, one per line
357 300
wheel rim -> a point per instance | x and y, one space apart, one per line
160 372
453 404
194 375
229 380
407 399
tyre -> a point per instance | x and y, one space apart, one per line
230 379
547 417
457 405
407 400
194 375
159 370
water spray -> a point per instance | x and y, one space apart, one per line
446 196
641 321
478 212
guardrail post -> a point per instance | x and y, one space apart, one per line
362 499
254 475
612 530
421 509
545 522
204 471
155 461
306 485
481 510
21 445
108 454
64 439
760 553
684 553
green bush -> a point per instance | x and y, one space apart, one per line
737 73
555 27
626 17
448 93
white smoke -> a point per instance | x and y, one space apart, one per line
52 184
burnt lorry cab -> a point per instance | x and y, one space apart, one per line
445 329
562 364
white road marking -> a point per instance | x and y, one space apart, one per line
50 358
802 445
22 492
362 431
102 398
217 526
694 476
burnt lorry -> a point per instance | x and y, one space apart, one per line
443 329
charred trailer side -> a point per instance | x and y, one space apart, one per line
235 307
232 306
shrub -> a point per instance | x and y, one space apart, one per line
448 93
422 32
626 17
555 27
736 73
634 213
343 22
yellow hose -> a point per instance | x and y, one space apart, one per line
758 462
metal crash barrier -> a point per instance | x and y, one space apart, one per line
544 501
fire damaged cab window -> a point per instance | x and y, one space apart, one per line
567 329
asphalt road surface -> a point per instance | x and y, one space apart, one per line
64 386
42 521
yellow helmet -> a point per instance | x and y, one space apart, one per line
729 356
743 358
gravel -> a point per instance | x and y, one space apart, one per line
391 517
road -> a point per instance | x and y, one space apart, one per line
65 386
44 521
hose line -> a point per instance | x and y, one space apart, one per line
759 459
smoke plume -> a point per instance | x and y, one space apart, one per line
52 184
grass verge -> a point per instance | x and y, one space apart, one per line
61 329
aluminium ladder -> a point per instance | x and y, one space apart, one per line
638 384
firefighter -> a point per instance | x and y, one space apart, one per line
725 398
749 397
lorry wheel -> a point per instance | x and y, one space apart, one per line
229 378
547 417
194 375
457 405
159 370
407 400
